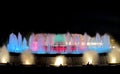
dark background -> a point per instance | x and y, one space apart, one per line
49 21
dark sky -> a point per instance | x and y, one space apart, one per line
90 21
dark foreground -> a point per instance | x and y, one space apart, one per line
58 70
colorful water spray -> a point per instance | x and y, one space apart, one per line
59 43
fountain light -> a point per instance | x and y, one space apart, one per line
27 58
113 56
27 62
90 57
60 60
4 55
113 60
3 60
90 60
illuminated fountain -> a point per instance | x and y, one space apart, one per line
27 58
113 57
16 44
60 61
68 37
59 43
4 55
37 44
90 57
50 43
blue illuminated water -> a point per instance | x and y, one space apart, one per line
17 45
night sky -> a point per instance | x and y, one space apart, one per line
90 21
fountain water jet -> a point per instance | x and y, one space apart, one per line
60 60
4 55
27 58
90 57
59 43
16 44
113 56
